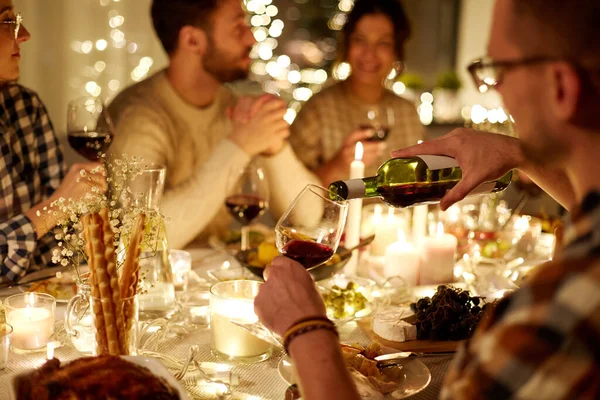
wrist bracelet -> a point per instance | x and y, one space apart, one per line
306 327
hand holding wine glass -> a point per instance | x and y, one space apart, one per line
380 119
248 198
89 127
309 231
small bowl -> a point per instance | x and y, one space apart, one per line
319 273
366 287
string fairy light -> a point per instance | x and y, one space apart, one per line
99 77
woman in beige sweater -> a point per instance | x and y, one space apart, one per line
327 128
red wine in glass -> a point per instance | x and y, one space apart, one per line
380 133
245 208
90 144
308 253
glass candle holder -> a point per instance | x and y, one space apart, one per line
5 332
234 301
32 317
181 264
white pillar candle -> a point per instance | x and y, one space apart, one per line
419 223
402 259
386 232
32 327
357 170
438 253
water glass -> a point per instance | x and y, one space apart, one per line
181 264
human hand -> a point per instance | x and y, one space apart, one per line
258 124
482 156
77 184
288 295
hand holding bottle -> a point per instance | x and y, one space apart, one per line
482 156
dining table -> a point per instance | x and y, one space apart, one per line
256 381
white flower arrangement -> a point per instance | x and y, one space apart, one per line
122 206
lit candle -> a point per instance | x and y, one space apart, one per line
234 300
357 170
32 317
386 232
419 223
438 253
402 259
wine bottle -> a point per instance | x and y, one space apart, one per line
404 182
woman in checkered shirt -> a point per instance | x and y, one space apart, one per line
32 169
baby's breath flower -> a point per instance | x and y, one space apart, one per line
64 262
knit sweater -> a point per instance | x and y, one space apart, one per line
152 121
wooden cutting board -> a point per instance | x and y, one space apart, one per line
423 346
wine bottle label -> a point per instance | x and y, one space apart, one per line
356 188
439 162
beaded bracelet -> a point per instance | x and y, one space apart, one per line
306 327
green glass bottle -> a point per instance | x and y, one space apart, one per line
405 182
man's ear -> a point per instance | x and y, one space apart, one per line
193 39
566 91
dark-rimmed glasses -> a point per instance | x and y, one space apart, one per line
488 73
17 22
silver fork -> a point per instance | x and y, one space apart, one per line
203 376
192 354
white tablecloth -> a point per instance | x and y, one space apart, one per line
257 381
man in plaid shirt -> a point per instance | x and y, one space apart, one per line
542 341
31 163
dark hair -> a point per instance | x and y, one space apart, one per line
560 28
390 8
169 16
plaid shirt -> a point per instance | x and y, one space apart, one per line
31 169
543 341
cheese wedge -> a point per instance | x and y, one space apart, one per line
390 326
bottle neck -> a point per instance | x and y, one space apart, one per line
362 188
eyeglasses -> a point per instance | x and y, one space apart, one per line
17 22
488 73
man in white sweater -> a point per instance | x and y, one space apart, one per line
185 119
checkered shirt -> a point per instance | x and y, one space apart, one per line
31 168
543 341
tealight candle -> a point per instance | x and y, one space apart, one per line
402 259
181 265
438 253
32 317
234 300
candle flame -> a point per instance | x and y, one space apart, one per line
440 229
401 235
391 212
359 151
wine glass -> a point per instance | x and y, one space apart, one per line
310 230
248 198
379 118
89 127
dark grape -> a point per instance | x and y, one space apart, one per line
450 314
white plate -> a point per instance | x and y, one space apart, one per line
416 376
151 364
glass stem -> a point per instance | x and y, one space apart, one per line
245 237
